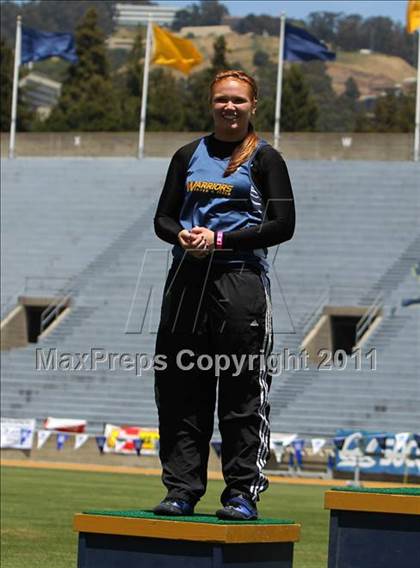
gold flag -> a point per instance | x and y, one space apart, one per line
413 15
174 51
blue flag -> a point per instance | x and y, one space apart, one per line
300 45
37 46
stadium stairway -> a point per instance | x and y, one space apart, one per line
88 223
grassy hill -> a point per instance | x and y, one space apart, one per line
372 72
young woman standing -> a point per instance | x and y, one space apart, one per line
226 198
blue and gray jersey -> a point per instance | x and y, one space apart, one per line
254 206
222 203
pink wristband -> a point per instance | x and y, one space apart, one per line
219 239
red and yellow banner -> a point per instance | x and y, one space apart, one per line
120 440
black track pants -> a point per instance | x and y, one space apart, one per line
212 311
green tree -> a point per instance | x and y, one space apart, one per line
132 84
187 17
135 65
24 115
351 91
197 103
299 109
257 25
386 114
323 25
88 99
349 31
362 121
346 105
165 109
406 111
394 113
329 115
264 117
212 12
267 82
206 13
261 58
6 83
218 61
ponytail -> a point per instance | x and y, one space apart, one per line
242 152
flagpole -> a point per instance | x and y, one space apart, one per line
145 87
279 82
15 87
417 125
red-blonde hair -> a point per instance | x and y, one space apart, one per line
250 142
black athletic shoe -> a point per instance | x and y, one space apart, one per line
238 508
174 507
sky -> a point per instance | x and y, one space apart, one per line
394 9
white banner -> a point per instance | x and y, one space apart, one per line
278 443
401 440
17 433
43 436
285 439
79 440
278 449
317 444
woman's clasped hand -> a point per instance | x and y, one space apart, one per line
198 242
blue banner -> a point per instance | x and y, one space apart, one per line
389 453
137 445
300 45
217 447
61 440
298 446
100 442
37 45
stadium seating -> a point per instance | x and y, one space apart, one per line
84 227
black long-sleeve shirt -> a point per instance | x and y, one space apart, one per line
270 176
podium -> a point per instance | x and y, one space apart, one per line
377 528
133 539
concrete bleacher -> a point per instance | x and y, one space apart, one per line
84 227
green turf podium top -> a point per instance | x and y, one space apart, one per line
205 528
404 500
382 491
